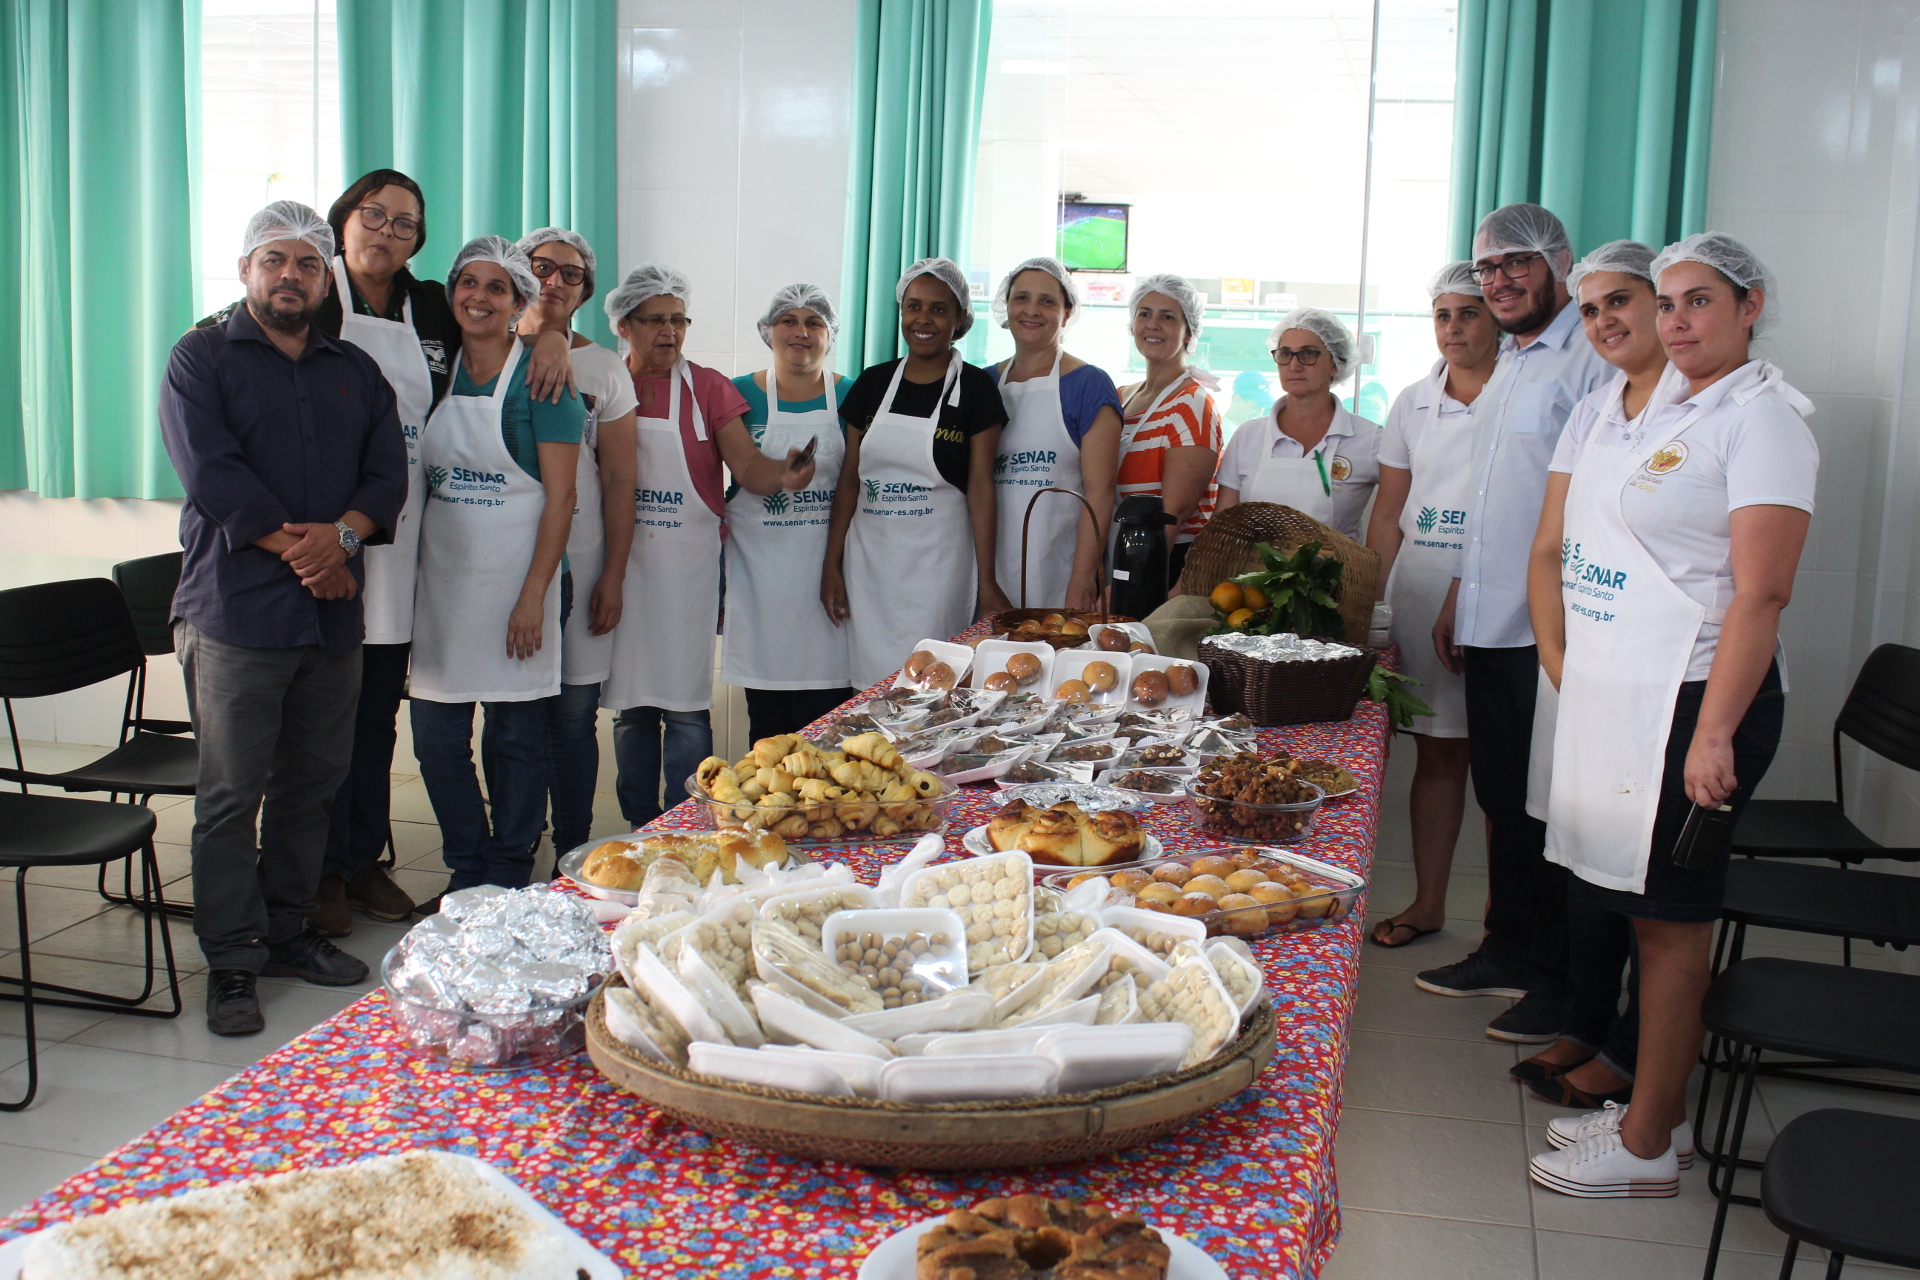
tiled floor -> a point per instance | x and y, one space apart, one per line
1434 1137
1433 1143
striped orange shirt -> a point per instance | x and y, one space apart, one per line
1185 419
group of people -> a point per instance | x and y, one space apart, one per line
1588 516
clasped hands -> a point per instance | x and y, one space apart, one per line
319 560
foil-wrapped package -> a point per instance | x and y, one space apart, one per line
1281 647
500 977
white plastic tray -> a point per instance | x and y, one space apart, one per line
991 657
595 1264
957 656
975 842
1194 702
968 1078
774 1067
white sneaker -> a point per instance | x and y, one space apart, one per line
1564 1131
1601 1168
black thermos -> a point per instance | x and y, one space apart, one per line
1140 555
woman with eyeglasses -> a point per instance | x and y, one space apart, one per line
691 429
1309 452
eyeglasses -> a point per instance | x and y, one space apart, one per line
1307 356
544 267
1513 268
373 217
654 322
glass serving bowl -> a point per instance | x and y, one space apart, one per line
485 1041
835 822
1325 897
1251 823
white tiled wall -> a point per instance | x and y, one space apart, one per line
733 155
1815 167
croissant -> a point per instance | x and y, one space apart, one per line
875 748
774 779
791 827
885 827
859 775
812 790
771 751
857 816
805 764
826 829
751 789
923 783
725 787
707 769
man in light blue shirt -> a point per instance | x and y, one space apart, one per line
1521 256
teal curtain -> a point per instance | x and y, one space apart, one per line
504 111
920 70
1601 110
96 217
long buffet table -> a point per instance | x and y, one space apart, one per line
1253 1184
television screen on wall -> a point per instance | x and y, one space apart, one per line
1093 237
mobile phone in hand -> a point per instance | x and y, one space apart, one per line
806 454
1701 838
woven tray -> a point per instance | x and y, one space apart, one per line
961 1135
1225 549
1272 693
1004 623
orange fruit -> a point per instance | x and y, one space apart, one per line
1227 597
1254 598
1240 617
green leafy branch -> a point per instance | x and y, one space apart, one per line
1391 689
1302 592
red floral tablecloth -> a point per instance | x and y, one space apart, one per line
1253 1184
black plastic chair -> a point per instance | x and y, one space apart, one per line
1839 1015
1845 1181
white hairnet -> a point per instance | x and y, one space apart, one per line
1525 228
1325 326
1192 304
947 272
1455 277
648 280
287 220
504 254
810 296
573 239
1629 257
1727 256
1053 267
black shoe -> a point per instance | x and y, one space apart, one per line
1537 1018
233 1009
310 956
1474 976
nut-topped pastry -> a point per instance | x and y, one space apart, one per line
1034 1238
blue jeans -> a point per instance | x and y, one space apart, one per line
651 746
573 748
478 846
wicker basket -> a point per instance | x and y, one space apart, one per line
1225 549
1271 693
1002 624
960 1135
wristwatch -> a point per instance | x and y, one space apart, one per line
349 540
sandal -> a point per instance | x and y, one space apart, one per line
1556 1090
1394 926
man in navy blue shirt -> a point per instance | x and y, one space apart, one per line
288 445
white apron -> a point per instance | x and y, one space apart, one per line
584 657
777 633
1305 483
663 647
1630 634
477 536
387 597
1432 532
1036 452
909 565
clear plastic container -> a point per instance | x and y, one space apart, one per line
978 888
1100 1057
1315 894
859 941
772 1067
1252 823
787 1019
972 1078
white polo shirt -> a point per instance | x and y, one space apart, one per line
1408 415
1351 448
1517 421
1748 448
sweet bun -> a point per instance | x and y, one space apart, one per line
1150 688
614 866
1073 627
1113 640
1244 858
1182 680
1158 892
1073 691
1242 881
937 676
1100 676
1244 914
1132 881
1212 886
1000 681
1083 877
1140 646
1172 873
1024 668
1194 904
917 663
1212 865
1270 892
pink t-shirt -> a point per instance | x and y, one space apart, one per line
720 403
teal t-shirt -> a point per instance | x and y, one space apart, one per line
756 416
526 423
